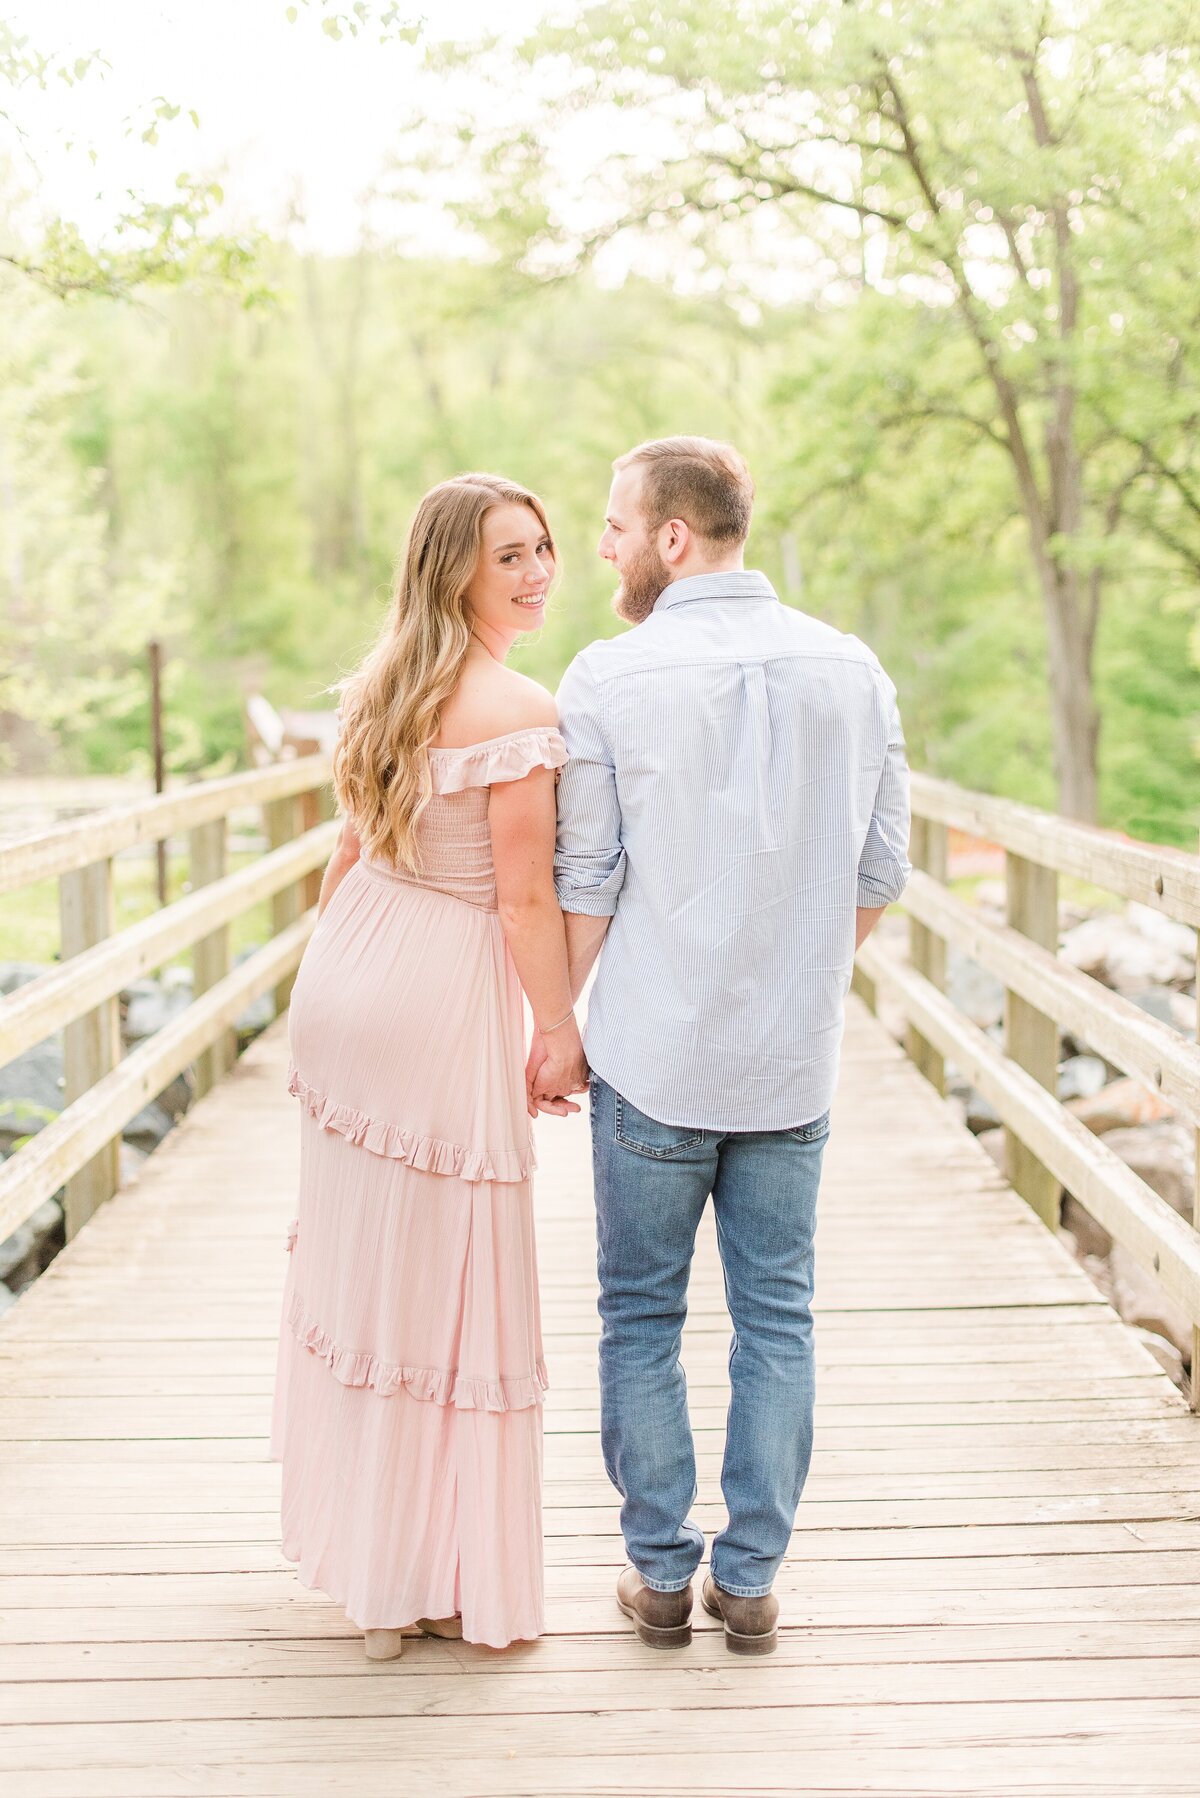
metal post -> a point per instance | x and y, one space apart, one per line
154 650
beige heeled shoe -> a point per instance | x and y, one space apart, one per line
388 1644
385 1644
449 1628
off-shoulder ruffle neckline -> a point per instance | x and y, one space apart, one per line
527 730
510 757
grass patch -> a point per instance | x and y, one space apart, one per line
29 926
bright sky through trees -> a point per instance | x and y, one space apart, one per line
289 122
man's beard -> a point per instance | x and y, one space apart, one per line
641 584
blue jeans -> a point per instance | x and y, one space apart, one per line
652 1184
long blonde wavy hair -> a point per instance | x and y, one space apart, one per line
391 706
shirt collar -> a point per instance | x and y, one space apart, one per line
737 583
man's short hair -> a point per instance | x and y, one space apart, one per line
698 479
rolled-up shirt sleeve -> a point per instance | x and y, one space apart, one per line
883 866
589 859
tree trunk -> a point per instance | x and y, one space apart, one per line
1074 720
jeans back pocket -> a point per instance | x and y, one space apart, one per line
811 1132
646 1136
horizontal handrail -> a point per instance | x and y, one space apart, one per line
1167 879
81 841
81 1131
1109 1024
76 986
1162 1242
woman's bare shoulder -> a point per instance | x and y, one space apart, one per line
493 702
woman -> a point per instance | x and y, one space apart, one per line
408 1396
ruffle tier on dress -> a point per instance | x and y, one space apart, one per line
410 1376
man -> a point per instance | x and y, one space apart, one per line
733 820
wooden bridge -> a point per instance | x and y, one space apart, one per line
993 1584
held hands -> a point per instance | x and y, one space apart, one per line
556 1067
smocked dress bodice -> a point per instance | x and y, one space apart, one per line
453 835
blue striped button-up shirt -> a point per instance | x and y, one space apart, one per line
736 788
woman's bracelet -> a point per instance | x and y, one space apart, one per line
547 1028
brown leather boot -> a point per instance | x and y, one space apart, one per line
661 1619
750 1623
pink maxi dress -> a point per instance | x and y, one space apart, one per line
407 1412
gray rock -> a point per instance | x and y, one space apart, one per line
48 1230
976 1113
148 1128
996 1144
176 1098
1155 1001
149 1012
981 1116
18 1256
47 1217
1159 928
177 979
1090 1237
19 973
1081 1077
1164 1352
145 987
130 1160
1097 1269
956 1105
8 1298
1183 1013
973 991
1141 1301
31 1091
254 1020
1164 1156
260 1012
1121 1105
1124 952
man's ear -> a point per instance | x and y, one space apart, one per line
673 540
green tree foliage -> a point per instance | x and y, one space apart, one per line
163 242
274 457
237 481
1017 186
77 604
239 484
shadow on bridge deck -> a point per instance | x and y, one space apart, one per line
993 1587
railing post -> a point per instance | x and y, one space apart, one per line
864 986
92 1044
316 807
210 955
283 824
928 850
1030 1037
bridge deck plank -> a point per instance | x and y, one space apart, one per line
992 1589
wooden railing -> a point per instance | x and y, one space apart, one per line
1047 1147
79 1148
